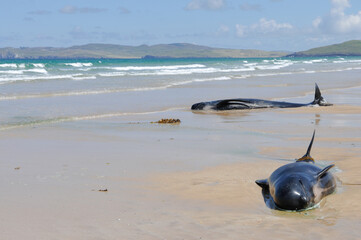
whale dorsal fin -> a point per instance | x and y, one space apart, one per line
321 173
263 183
307 157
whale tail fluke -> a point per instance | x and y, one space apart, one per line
307 157
319 100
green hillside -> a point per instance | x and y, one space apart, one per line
176 50
349 48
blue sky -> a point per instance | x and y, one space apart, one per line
250 24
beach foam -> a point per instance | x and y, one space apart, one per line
8 65
37 70
79 64
171 67
39 65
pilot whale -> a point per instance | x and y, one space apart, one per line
250 103
298 186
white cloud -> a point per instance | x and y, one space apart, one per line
319 39
68 9
250 7
240 30
263 26
72 9
337 21
267 26
223 29
205 4
316 23
339 6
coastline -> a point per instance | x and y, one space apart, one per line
170 51
96 50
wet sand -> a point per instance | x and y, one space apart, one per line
232 188
123 177
194 180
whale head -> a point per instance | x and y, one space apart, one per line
198 106
293 193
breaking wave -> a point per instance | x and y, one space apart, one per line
79 64
171 67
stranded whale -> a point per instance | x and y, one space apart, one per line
250 103
298 186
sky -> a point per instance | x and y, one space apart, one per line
292 25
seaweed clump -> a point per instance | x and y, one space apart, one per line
168 121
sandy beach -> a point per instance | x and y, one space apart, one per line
194 180
113 174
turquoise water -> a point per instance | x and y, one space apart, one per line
67 90
53 78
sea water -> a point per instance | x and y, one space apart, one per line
43 91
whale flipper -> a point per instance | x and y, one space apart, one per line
324 171
263 183
307 157
232 104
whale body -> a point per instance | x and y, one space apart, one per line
298 186
251 103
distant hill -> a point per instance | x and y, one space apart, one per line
349 48
176 50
